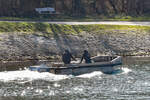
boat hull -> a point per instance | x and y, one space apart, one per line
77 69
86 69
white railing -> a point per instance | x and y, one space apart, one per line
45 10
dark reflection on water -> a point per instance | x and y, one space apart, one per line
130 83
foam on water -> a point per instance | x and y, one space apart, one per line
26 75
126 70
23 76
30 76
90 75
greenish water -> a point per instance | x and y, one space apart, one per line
132 82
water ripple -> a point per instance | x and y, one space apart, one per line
132 83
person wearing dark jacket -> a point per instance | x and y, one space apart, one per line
86 56
67 56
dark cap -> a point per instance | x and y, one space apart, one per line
85 51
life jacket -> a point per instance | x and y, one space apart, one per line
66 57
87 57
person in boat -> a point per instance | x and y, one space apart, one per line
86 56
67 56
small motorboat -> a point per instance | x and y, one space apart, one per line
106 64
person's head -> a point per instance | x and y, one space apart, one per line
85 51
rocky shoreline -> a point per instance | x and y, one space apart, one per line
20 47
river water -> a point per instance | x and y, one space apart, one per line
131 82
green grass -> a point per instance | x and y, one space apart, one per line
24 27
95 28
51 29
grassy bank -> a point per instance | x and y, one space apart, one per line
29 28
47 29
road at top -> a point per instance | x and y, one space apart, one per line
104 22
88 23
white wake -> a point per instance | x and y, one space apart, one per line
30 76
27 75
